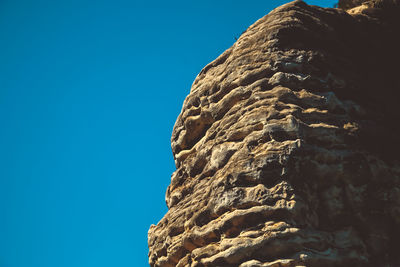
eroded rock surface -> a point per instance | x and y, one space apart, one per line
287 147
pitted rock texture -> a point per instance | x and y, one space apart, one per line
287 147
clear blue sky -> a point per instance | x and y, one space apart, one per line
89 93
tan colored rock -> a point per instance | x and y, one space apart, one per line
287 147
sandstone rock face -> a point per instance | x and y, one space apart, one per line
287 147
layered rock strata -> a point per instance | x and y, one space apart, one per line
287 146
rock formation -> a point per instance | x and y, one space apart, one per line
287 147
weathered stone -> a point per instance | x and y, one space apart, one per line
287 149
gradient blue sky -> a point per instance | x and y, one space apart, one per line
89 93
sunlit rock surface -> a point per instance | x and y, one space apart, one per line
287 147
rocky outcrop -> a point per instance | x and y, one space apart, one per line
287 146
348 4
